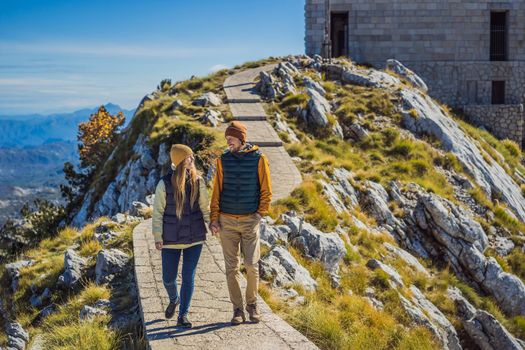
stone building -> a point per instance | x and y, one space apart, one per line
471 53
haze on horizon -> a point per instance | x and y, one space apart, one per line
59 56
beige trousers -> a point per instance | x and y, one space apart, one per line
241 235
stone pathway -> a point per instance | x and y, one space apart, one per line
211 309
245 105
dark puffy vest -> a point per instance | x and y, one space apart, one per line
240 186
190 228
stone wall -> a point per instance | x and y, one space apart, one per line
504 121
426 30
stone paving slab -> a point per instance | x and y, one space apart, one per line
210 311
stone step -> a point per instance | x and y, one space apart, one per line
243 100
266 143
249 117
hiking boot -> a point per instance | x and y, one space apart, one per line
170 310
184 322
238 317
253 311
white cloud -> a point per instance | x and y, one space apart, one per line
112 50
218 67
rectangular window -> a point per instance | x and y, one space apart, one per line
498 92
498 36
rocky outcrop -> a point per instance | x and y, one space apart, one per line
273 234
74 266
207 99
328 248
17 337
13 271
212 118
482 327
318 111
394 278
283 270
281 126
110 263
431 120
462 241
424 313
396 67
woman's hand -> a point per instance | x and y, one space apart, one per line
214 228
158 245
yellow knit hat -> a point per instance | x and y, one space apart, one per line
179 152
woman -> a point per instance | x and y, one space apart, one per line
180 217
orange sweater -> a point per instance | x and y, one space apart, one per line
264 181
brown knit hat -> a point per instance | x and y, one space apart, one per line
178 153
236 129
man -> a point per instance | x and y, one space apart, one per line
242 192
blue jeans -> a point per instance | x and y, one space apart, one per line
170 266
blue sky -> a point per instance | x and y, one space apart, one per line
65 55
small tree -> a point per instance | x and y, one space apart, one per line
97 137
165 85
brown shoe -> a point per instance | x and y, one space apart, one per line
253 311
238 317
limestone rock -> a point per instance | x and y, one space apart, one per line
17 337
281 267
282 126
406 73
212 118
502 245
88 312
74 265
208 99
13 271
424 313
431 119
481 326
394 277
328 248
110 263
312 84
272 234
463 242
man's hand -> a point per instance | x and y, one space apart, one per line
158 245
214 228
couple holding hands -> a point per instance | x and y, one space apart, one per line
242 193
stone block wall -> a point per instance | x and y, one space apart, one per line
504 121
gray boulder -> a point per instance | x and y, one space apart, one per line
13 271
74 266
110 263
207 99
312 84
318 108
37 300
328 248
273 234
17 337
176 105
267 86
481 326
406 73
88 312
139 208
368 77
212 118
284 271
374 201
282 126
357 132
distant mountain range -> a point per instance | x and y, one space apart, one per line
33 150
34 129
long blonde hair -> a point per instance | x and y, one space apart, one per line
178 182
